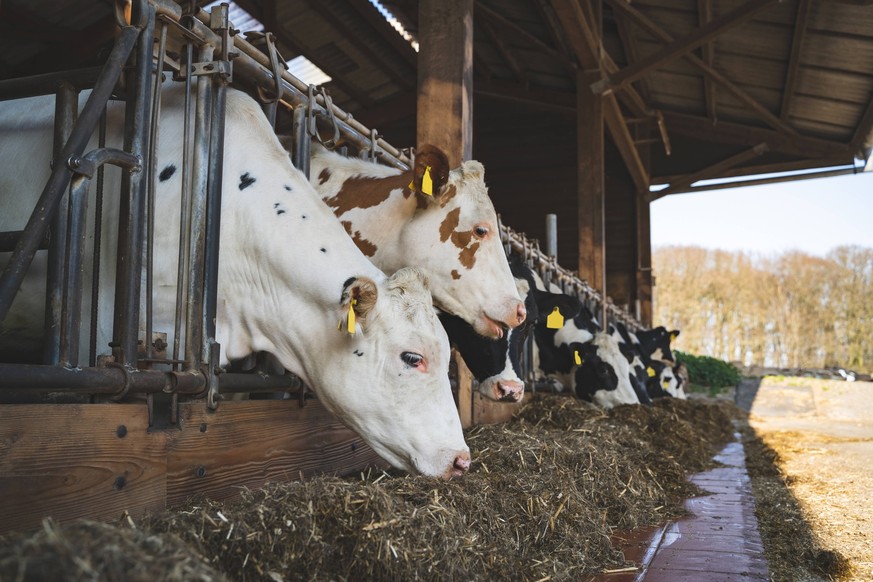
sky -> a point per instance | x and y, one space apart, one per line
813 216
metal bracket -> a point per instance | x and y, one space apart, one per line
328 107
212 370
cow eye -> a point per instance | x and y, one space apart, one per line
481 231
412 359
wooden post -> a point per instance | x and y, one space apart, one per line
591 181
445 77
643 199
465 390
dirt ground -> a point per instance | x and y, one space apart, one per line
821 436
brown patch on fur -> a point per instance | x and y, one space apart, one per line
449 224
365 246
364 291
447 195
429 155
324 176
365 192
468 255
461 238
455 274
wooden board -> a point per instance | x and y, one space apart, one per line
487 411
465 390
71 461
246 444
76 460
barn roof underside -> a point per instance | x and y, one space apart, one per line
699 88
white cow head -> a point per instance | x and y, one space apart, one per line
389 380
433 218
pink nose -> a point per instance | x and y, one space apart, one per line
460 466
509 390
520 314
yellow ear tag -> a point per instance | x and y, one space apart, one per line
555 320
351 324
427 182
650 371
577 357
411 185
665 383
673 336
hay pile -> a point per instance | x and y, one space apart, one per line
544 495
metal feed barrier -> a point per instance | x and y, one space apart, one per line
204 52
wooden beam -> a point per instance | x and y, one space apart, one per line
623 140
704 16
629 43
863 132
397 107
445 77
516 30
773 180
710 172
547 13
772 168
404 78
797 37
505 52
762 112
591 183
678 48
733 133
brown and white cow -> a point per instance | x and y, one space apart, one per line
449 231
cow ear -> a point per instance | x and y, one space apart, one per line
431 171
358 300
674 334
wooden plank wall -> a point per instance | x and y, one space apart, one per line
100 460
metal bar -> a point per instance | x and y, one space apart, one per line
773 180
36 227
713 171
98 238
230 383
152 174
111 380
302 143
48 83
219 83
203 115
132 205
66 109
552 235
76 234
9 239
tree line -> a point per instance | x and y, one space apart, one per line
787 310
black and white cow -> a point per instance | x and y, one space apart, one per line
655 343
496 364
288 273
580 356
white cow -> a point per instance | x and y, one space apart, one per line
450 233
287 274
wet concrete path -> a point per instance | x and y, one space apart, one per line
719 542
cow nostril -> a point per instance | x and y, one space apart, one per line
509 391
521 313
462 462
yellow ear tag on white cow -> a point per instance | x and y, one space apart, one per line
650 371
555 320
665 382
351 322
427 182
577 357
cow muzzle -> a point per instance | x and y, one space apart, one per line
459 466
508 390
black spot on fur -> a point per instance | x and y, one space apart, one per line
245 181
324 250
288 188
276 205
167 173
280 212
358 353
303 217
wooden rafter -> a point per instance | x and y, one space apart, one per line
505 51
405 78
647 24
511 27
794 60
704 15
863 131
734 133
267 16
628 41
681 47
770 168
547 13
713 171
588 51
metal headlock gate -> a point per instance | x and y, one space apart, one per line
204 52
